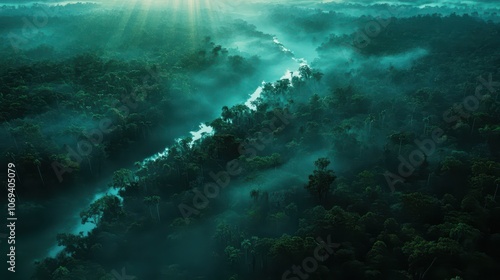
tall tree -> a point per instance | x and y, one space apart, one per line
105 208
245 245
156 200
37 163
148 201
122 178
321 180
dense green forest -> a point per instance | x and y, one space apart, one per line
370 149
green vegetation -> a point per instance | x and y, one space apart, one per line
308 164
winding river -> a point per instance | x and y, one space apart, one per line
78 227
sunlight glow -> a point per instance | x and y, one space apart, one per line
137 16
191 5
254 96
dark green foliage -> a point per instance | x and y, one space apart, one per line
320 182
105 209
366 115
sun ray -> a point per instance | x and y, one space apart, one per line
121 28
182 16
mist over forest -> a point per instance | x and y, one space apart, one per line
250 140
